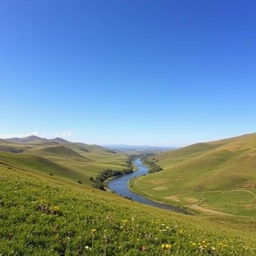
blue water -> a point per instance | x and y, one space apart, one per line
120 186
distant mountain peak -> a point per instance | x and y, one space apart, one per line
27 139
36 140
32 137
60 140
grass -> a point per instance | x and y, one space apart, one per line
48 215
34 163
218 176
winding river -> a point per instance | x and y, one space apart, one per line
120 186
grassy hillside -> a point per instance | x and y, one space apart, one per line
35 163
46 215
75 161
213 178
11 147
56 150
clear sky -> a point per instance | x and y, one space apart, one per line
154 72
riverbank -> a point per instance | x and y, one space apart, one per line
101 181
121 186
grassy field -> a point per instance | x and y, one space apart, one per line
47 215
216 178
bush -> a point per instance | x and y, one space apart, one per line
153 166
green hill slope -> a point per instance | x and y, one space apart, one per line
39 164
219 176
76 161
55 150
47 215
13 148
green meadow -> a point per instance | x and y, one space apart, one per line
47 215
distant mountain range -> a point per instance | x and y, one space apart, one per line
119 148
138 149
28 139
33 140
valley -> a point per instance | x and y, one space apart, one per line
49 205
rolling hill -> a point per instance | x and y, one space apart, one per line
212 178
75 161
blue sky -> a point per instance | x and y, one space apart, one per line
128 72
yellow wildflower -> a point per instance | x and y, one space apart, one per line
166 246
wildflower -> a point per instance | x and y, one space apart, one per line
93 230
166 246
143 248
201 247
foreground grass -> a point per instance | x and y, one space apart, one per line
42 215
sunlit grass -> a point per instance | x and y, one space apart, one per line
45 215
